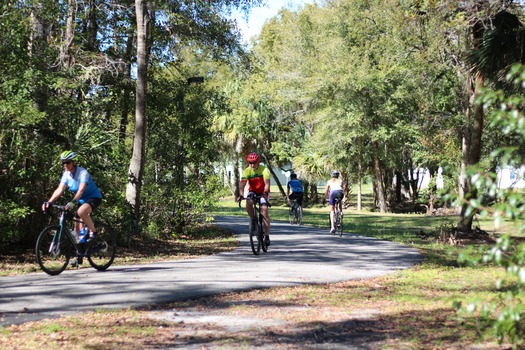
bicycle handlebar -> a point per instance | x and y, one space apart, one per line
252 197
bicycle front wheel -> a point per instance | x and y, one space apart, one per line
53 250
255 242
102 249
262 241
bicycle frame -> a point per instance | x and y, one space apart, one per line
259 219
295 214
62 224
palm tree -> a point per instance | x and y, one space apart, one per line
497 43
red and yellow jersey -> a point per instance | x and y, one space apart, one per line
256 178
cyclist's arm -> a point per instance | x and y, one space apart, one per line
58 192
327 191
266 177
241 188
267 185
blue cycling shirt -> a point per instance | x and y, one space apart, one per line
295 185
73 181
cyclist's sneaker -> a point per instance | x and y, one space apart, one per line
92 237
332 231
76 262
267 241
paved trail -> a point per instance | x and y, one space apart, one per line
297 255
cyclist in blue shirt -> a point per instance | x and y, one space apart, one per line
297 191
86 192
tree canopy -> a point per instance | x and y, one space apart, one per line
379 90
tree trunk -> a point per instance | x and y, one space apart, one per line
399 184
93 26
36 44
236 177
471 152
465 220
65 50
136 167
125 102
360 176
275 178
378 178
314 195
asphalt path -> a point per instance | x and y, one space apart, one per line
297 255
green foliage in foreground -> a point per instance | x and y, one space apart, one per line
505 315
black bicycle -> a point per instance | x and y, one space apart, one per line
338 218
295 214
256 226
56 245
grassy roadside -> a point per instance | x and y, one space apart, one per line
406 310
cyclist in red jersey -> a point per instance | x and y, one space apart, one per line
257 177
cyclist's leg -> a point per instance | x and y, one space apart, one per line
249 207
300 202
84 212
332 211
332 218
266 218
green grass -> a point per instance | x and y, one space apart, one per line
414 296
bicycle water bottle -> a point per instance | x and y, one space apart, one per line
83 235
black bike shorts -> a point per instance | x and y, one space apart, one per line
336 194
93 202
297 196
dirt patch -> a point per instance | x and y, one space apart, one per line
277 328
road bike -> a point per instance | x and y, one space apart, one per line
338 218
57 244
256 226
295 214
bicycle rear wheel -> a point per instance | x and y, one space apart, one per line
339 227
53 250
255 242
299 215
102 250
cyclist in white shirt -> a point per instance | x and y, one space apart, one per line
334 189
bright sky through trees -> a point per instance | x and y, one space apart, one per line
259 15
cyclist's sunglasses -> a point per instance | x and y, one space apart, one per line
66 162
252 163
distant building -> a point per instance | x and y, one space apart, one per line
511 178
507 178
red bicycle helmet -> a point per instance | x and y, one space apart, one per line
252 157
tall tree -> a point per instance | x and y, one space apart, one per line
182 23
136 166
